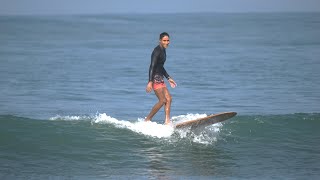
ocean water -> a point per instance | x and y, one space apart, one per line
73 100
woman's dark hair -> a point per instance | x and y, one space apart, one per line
163 35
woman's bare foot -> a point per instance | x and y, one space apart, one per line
147 120
167 122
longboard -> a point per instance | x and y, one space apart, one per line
206 121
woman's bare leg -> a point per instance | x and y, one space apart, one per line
167 106
162 100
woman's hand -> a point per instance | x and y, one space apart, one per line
173 84
149 87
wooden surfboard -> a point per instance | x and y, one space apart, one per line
206 121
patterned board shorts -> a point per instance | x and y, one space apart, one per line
158 82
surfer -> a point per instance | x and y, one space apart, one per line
156 76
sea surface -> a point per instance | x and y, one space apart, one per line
73 100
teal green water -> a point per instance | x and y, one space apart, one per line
272 146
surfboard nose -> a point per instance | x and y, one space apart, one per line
206 121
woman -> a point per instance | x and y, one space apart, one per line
156 76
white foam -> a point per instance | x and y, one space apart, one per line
181 118
207 136
68 118
147 128
153 129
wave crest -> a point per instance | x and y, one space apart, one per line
153 129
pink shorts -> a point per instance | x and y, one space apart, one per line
158 85
158 82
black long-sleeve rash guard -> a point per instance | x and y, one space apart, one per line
158 58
